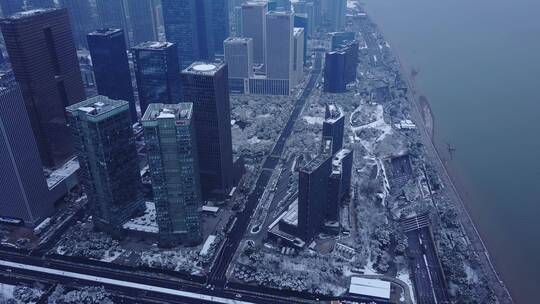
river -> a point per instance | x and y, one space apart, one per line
479 66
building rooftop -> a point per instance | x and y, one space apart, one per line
106 31
337 162
298 30
59 175
315 163
291 215
370 287
144 223
29 13
238 40
97 106
254 3
153 45
181 112
333 113
279 14
204 68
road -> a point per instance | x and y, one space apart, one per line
217 274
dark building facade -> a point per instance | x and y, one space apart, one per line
23 190
142 22
103 137
206 85
334 72
351 61
172 159
339 40
198 27
112 14
44 60
82 20
312 196
339 183
301 20
334 126
10 7
32 4
111 67
157 72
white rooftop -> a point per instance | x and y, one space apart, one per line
204 67
370 287
60 174
146 222
209 241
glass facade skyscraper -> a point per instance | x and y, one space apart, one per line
157 72
24 194
206 86
142 22
172 158
111 67
198 27
82 19
103 138
44 60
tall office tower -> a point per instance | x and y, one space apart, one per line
23 189
44 61
339 183
10 7
279 45
284 5
188 24
111 67
298 59
334 72
254 26
302 21
312 195
334 126
351 61
218 15
101 130
33 4
172 158
238 22
142 22
206 85
335 12
157 72
82 20
316 7
239 59
112 14
272 5
339 40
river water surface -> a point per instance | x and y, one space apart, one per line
479 66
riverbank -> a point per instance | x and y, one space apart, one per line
437 153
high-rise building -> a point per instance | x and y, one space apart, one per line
172 159
334 13
142 22
334 72
82 20
103 136
254 26
298 59
206 86
238 21
312 195
157 72
334 126
279 46
239 59
112 14
111 67
23 189
339 40
284 5
339 184
33 4
44 60
198 27
351 61
10 7
218 15
302 21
